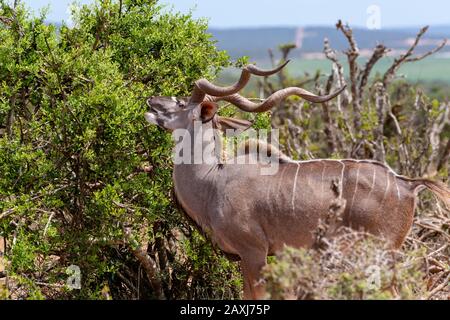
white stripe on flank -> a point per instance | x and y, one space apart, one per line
294 187
321 182
356 188
387 189
269 195
342 180
281 179
398 190
371 187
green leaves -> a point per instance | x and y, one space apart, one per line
71 159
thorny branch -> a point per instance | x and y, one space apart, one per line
407 57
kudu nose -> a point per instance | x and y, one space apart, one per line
153 105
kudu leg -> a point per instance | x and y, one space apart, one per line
254 288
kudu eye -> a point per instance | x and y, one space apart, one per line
150 101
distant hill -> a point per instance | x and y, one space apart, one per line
255 42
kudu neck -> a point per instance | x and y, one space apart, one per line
198 145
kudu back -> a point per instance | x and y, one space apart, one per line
250 215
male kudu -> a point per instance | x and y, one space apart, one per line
252 215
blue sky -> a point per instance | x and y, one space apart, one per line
254 13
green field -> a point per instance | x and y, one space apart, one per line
428 70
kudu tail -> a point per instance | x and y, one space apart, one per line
441 190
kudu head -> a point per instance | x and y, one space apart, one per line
173 113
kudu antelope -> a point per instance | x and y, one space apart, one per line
250 215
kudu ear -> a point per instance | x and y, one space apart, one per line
237 125
208 110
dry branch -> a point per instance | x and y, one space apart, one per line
405 58
149 265
379 52
352 55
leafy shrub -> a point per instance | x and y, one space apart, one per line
83 179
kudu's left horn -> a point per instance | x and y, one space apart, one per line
203 87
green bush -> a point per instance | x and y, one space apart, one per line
78 164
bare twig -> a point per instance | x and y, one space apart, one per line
390 73
48 223
352 55
435 133
381 106
433 228
429 53
331 55
443 285
445 156
379 52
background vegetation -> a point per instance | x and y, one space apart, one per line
379 116
85 181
